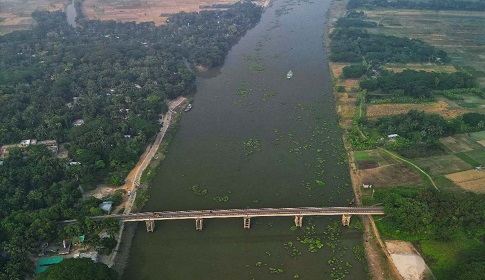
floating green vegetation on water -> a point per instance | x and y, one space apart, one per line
296 276
243 89
257 67
320 183
293 228
252 146
292 250
221 198
256 201
258 264
276 270
268 253
313 244
196 190
308 186
268 95
359 252
304 107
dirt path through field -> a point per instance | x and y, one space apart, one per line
397 157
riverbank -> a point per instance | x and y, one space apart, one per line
378 259
131 186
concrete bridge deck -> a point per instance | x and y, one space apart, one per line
199 215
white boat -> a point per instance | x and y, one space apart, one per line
189 106
289 75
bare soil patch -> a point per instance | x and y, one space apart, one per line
146 10
439 107
15 15
336 68
367 164
346 111
389 176
407 260
472 180
481 142
459 143
349 84
428 67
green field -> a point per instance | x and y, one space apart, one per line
440 256
478 155
460 33
477 136
440 165
372 155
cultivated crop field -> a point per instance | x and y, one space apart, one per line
390 176
439 165
461 142
440 107
428 67
15 14
145 10
460 33
472 180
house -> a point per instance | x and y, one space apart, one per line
27 142
78 240
51 145
78 122
106 206
392 136
66 247
4 150
367 186
90 255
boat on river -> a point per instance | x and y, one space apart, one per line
189 106
289 75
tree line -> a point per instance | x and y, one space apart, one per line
441 216
417 84
478 5
357 45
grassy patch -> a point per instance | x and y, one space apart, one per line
439 165
441 256
363 156
463 156
477 155
477 136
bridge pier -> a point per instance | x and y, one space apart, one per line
298 220
199 225
346 219
247 222
150 225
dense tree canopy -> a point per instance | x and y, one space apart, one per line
78 269
418 84
355 45
470 5
115 76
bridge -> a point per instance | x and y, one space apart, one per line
246 214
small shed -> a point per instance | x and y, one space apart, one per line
106 206
392 136
78 122
66 247
367 186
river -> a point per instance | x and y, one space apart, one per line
256 139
